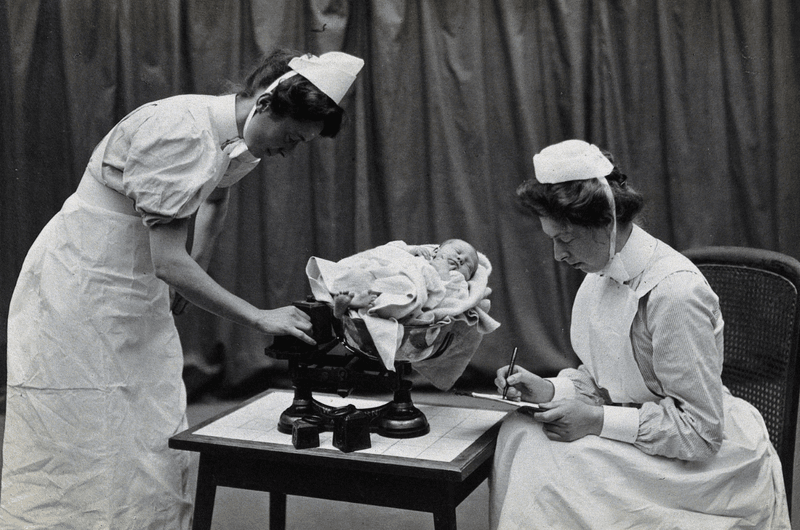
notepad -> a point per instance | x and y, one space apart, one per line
519 404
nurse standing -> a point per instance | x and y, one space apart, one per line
642 434
94 359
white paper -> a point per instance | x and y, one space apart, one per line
495 397
452 429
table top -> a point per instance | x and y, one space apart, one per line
461 439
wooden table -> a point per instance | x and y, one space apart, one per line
242 448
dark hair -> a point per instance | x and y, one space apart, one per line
296 97
582 202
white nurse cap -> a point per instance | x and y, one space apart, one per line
333 72
577 160
570 160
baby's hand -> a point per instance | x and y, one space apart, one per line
423 252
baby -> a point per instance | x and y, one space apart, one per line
455 260
451 255
394 287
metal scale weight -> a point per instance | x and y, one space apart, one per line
336 364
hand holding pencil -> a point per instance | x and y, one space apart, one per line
515 383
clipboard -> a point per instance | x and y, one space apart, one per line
521 405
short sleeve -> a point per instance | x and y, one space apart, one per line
173 164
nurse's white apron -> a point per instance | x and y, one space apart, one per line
603 484
95 365
94 383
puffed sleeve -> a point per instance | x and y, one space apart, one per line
573 382
173 164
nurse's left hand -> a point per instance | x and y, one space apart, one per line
566 420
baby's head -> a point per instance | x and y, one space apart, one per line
459 255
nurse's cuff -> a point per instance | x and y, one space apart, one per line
620 423
563 387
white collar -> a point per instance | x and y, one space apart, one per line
631 261
223 117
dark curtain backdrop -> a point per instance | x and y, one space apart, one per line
698 100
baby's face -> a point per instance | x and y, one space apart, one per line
460 256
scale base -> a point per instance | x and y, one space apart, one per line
396 419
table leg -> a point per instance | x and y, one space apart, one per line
204 498
445 518
277 511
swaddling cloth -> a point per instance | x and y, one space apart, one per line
410 292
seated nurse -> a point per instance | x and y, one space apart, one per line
642 434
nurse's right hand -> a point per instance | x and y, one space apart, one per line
286 321
524 385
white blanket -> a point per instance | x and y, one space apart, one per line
411 292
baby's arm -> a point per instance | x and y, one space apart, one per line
421 251
424 251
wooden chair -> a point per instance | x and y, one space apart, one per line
759 293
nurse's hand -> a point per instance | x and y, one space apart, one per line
286 321
523 385
566 420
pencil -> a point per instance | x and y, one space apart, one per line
510 371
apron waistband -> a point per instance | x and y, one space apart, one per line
97 194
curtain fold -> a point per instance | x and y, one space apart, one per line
698 101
